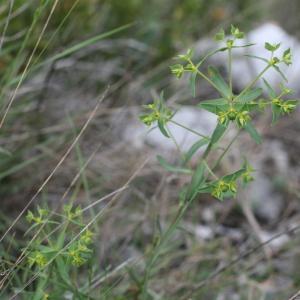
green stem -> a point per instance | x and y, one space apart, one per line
225 151
251 84
204 76
210 170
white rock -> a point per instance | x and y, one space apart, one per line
266 203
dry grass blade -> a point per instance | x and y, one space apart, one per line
296 296
91 116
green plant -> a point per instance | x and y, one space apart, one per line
231 109
61 243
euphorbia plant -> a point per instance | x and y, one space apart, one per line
230 108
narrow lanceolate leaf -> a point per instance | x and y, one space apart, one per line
63 270
217 134
220 83
195 147
276 113
253 132
271 47
257 57
244 46
162 128
215 105
197 181
172 168
271 92
250 95
234 176
193 83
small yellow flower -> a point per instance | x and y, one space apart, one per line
86 237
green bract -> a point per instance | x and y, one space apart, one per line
230 108
271 47
159 114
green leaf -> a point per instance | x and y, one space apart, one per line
234 176
220 35
253 132
215 105
193 83
257 57
287 57
172 168
63 269
197 180
47 250
271 47
218 132
276 113
250 95
271 91
194 148
162 128
220 83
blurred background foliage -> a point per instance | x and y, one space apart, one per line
162 24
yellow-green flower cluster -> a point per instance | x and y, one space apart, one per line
79 252
38 219
152 117
72 213
247 175
285 106
222 187
241 117
37 258
157 112
86 237
235 33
